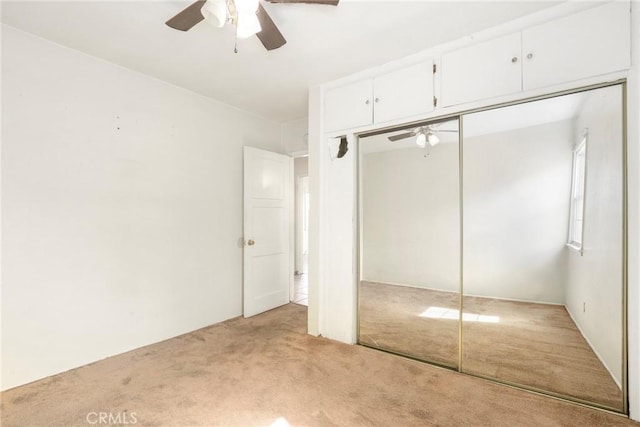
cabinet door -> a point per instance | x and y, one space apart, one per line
403 93
485 70
348 106
589 43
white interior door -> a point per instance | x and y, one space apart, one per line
268 236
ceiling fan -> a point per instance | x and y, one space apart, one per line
424 134
248 16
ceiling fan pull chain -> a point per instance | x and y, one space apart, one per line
235 42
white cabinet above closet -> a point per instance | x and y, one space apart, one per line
591 43
480 71
404 92
348 106
587 44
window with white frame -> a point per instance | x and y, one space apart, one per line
577 194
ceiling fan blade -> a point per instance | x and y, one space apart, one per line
327 2
270 36
189 17
444 130
394 138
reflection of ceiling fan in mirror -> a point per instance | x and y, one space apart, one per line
424 134
248 16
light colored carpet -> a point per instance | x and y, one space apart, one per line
535 345
266 371
389 318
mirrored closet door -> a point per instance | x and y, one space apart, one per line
493 244
409 296
543 245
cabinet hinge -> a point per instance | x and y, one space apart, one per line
435 101
435 67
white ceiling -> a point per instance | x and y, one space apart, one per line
323 42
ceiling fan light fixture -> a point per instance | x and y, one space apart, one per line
247 24
215 12
421 140
432 138
247 5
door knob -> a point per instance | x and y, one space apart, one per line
251 243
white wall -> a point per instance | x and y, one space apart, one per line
339 213
317 215
295 137
301 166
594 280
516 210
121 208
1 210
411 217
516 205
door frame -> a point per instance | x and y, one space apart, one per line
289 206
299 223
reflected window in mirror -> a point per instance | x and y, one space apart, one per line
576 219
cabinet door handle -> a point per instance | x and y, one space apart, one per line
377 100
367 102
514 59
529 55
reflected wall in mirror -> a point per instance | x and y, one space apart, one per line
543 245
410 242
